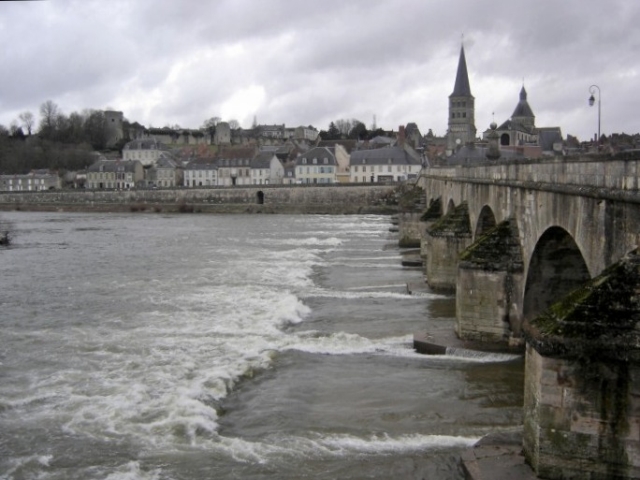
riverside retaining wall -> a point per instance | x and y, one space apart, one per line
265 198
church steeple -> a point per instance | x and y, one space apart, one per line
462 128
462 87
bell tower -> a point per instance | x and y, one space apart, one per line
462 128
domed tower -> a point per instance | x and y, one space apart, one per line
462 128
523 114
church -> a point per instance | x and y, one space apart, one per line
517 137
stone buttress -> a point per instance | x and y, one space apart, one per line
489 285
445 239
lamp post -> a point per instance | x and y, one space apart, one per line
592 90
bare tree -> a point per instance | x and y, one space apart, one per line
27 120
344 126
210 123
49 113
233 124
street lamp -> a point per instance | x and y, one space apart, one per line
592 100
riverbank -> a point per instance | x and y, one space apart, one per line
232 208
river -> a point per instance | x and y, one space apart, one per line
150 346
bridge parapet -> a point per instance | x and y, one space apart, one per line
604 172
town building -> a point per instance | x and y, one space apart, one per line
289 175
266 169
382 165
317 165
234 171
146 151
35 181
306 133
201 173
164 172
115 174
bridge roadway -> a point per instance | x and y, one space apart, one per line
563 221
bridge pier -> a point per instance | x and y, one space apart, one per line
489 283
444 241
433 213
582 380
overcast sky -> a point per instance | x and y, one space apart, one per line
303 62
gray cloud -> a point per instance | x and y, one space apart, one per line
293 62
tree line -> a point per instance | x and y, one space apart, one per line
63 142
352 129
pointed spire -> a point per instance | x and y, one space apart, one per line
523 93
462 88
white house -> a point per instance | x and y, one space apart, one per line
146 151
390 164
201 173
317 165
266 169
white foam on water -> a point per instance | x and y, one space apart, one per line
304 241
322 446
342 343
161 384
351 294
355 263
377 287
377 444
480 357
30 463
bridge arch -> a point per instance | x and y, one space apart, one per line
556 268
486 221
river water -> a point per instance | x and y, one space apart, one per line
148 346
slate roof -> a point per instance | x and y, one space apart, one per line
320 153
145 144
462 87
198 165
380 156
523 109
547 136
113 166
511 125
347 144
263 160
165 161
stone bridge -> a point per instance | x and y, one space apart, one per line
545 252
561 222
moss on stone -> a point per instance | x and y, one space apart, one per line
498 249
456 223
433 212
599 318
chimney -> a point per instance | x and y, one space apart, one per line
401 136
